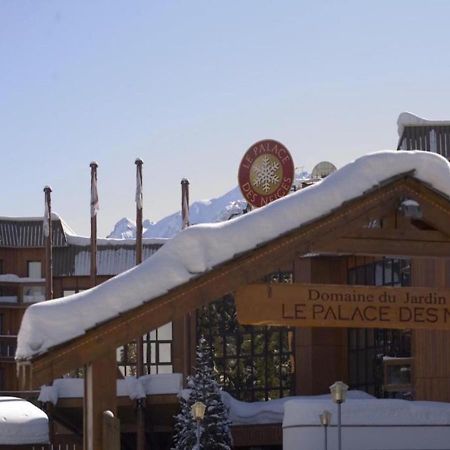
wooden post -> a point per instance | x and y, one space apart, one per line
111 431
94 208
48 244
99 395
320 353
140 431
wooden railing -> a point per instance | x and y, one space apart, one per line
65 446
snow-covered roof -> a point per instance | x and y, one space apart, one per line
198 249
407 119
22 423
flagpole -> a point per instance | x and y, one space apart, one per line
139 207
184 203
94 207
187 363
48 236
140 434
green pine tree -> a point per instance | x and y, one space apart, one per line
215 427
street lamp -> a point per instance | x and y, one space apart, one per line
325 420
338 394
198 413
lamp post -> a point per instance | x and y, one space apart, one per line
338 394
198 413
325 420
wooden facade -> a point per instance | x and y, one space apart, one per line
322 252
320 355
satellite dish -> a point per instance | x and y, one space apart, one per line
323 169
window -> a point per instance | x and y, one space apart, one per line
366 347
34 269
34 293
68 292
157 346
158 350
252 363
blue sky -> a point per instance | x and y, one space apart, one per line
189 85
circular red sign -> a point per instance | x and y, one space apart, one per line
266 172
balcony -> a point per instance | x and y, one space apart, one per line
17 291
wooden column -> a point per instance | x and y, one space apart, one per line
320 353
99 396
178 350
430 348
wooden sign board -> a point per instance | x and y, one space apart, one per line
319 305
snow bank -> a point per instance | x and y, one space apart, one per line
132 387
22 423
199 248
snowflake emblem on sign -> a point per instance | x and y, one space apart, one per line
265 173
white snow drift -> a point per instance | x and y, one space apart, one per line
199 248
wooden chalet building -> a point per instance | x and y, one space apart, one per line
22 274
373 239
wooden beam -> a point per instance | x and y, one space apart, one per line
384 247
245 268
409 234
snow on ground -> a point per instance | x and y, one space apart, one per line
22 423
170 383
199 248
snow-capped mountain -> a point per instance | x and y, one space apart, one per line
204 211
125 228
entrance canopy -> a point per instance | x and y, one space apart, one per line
383 203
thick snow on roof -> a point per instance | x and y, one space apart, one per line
407 119
199 248
22 423
156 384
272 411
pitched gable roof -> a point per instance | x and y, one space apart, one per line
201 256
